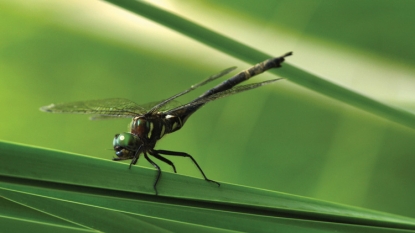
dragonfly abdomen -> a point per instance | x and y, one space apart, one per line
245 75
172 123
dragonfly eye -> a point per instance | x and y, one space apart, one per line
125 145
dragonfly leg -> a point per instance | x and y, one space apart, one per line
175 153
135 159
158 171
157 156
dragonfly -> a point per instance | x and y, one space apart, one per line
150 122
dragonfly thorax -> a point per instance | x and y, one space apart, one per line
154 127
141 127
149 129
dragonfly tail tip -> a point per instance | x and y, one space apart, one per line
288 54
47 108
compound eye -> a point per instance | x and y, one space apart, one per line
125 145
125 140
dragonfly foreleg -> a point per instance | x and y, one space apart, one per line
135 159
175 153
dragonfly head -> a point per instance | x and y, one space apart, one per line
126 145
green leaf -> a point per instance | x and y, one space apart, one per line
77 192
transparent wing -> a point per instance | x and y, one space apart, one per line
222 94
120 108
171 104
107 108
160 105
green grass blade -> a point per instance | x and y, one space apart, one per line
97 219
91 207
86 190
251 55
18 225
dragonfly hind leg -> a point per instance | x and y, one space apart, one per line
182 154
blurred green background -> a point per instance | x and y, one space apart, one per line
281 137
